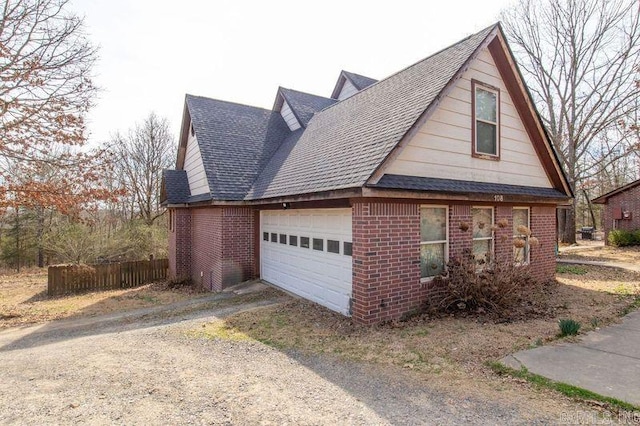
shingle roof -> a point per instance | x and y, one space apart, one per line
360 81
416 183
235 141
305 105
345 143
176 186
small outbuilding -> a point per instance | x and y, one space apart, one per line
621 208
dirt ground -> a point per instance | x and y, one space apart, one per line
450 351
24 299
156 370
599 252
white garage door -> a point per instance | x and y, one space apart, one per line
308 252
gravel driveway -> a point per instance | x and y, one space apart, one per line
145 370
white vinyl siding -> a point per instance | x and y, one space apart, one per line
442 146
195 168
289 117
348 89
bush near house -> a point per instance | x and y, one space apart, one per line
623 238
496 288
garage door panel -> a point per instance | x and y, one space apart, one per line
320 276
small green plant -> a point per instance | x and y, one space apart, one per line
622 238
595 322
568 327
571 269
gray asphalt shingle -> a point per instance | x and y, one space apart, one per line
305 105
360 81
344 144
176 186
416 183
235 141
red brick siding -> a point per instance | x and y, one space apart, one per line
180 244
206 252
459 238
503 236
628 200
223 246
238 249
386 261
543 257
386 253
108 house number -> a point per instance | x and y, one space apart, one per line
498 198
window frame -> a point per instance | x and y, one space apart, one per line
475 85
527 246
492 246
445 242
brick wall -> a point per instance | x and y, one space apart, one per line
223 246
238 235
386 253
628 200
206 252
503 236
386 261
459 238
543 227
179 243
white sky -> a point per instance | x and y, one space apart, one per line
152 52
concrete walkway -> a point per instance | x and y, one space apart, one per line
605 361
627 266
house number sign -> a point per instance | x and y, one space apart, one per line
498 198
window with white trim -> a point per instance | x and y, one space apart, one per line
434 245
521 233
482 233
486 120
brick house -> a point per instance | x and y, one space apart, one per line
357 201
621 208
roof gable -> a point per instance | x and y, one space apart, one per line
303 105
357 81
235 142
542 156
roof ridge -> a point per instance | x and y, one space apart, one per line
305 93
496 25
188 95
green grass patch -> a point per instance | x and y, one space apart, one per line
568 327
571 269
631 307
564 388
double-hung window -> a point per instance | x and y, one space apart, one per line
521 231
482 233
433 240
486 121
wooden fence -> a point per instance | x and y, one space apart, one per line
77 278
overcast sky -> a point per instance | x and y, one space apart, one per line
152 52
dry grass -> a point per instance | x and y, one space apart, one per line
451 351
24 300
603 253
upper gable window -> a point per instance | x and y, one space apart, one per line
486 120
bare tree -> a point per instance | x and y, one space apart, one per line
142 155
580 58
45 91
